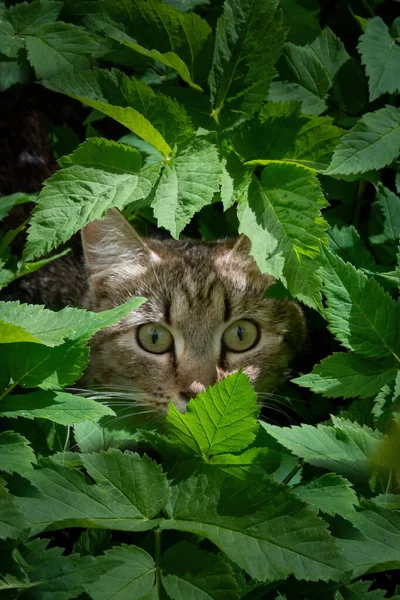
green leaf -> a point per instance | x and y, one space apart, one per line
262 527
345 448
249 38
179 39
286 135
152 155
91 542
283 221
129 493
387 403
107 433
349 94
34 323
59 407
185 5
8 202
54 47
10 44
331 494
73 197
187 184
304 77
187 572
254 461
126 33
359 591
345 242
107 155
30 365
221 419
235 180
387 501
302 20
27 18
330 51
379 548
12 522
362 316
132 577
381 57
349 376
154 117
53 576
371 144
384 221
308 72
25 268
16 455
10 333
12 72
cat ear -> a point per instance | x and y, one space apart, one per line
112 246
241 244
237 251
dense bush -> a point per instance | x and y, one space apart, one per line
281 123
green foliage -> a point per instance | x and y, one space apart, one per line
381 57
133 575
220 420
373 143
34 323
380 531
248 39
177 40
129 493
16 456
187 183
59 407
279 121
153 116
360 314
266 517
282 219
307 72
190 572
330 446
330 493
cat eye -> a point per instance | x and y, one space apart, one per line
154 338
241 336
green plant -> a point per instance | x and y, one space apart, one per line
296 145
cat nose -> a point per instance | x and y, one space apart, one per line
194 388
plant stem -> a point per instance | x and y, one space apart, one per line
157 559
8 390
361 185
293 472
368 8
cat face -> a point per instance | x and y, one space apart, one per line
204 319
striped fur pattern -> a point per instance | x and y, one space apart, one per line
195 290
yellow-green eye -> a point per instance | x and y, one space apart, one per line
241 336
155 338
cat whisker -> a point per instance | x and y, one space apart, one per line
113 386
280 396
279 410
273 401
116 398
111 404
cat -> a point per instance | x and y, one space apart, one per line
204 319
